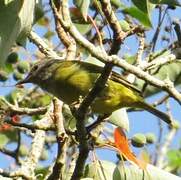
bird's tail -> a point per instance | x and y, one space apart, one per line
165 117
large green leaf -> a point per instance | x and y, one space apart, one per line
134 173
83 28
142 17
174 158
83 6
100 170
142 5
16 17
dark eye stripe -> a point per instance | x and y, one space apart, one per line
35 67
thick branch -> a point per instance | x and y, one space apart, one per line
67 40
58 168
118 34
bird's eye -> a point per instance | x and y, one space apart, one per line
35 67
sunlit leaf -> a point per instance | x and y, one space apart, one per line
174 158
83 28
120 119
3 140
134 173
100 170
83 6
16 18
142 5
142 17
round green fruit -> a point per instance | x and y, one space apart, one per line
23 66
176 125
23 151
3 76
150 138
17 76
12 58
138 140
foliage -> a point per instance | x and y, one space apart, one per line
88 30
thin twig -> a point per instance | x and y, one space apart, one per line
12 109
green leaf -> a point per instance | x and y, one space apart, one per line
41 172
95 61
70 121
142 17
142 5
133 172
99 170
124 25
174 158
131 59
83 28
7 136
16 18
83 6
117 3
120 118
39 13
3 140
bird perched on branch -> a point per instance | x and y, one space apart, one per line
70 80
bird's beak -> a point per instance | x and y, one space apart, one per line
23 81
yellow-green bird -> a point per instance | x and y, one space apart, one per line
70 80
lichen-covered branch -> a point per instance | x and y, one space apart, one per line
65 37
12 109
59 166
43 47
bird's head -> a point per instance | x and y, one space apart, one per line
40 72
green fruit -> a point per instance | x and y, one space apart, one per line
23 151
138 140
12 58
124 25
176 125
23 66
150 138
3 75
17 75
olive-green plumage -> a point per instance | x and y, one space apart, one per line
70 80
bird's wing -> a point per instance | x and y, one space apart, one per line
120 79
92 68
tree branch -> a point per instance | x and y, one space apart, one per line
58 168
43 47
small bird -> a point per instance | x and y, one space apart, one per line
70 80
